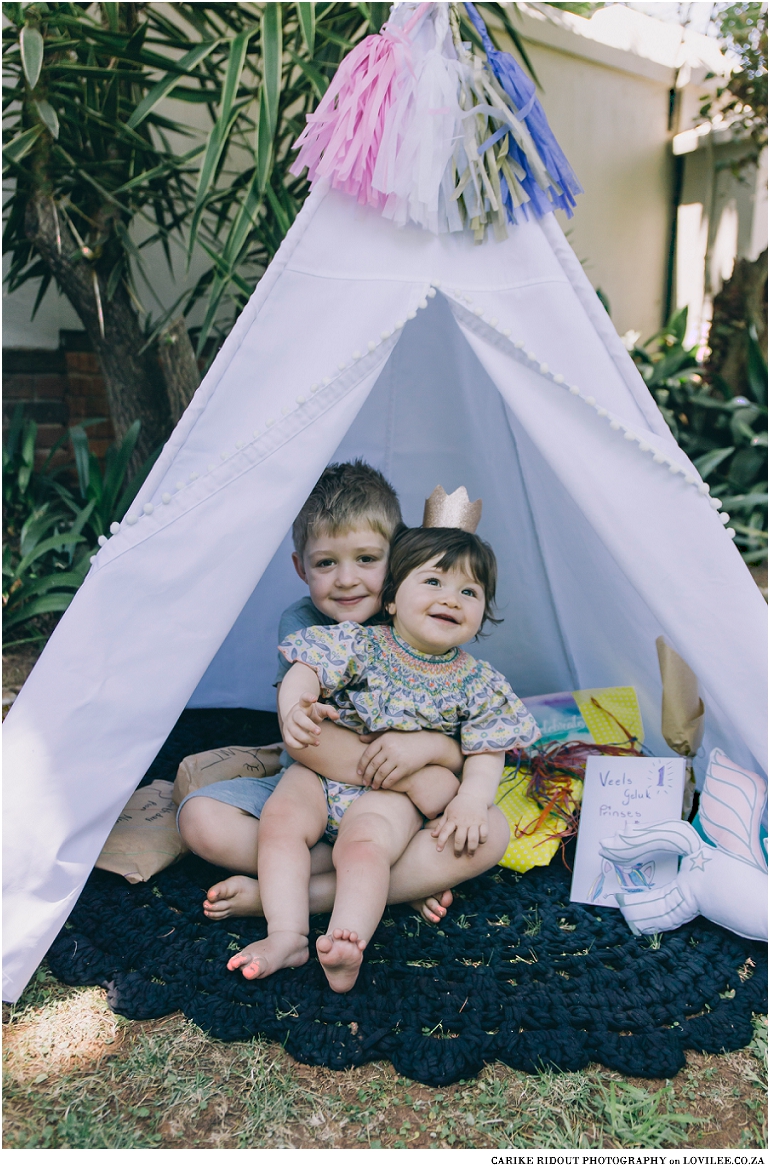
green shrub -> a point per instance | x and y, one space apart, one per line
52 523
724 435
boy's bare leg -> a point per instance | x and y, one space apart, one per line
373 834
239 895
422 877
293 819
422 869
227 836
222 834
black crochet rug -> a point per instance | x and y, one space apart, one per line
514 973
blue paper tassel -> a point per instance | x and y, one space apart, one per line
521 90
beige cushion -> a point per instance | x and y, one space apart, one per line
145 839
219 765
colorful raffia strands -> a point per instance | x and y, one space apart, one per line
540 795
420 127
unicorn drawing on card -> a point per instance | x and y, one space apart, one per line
616 877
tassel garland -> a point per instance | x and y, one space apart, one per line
416 126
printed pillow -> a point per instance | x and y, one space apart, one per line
220 765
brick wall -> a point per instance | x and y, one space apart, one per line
57 388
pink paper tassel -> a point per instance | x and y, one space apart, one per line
342 138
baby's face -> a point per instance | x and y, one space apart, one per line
436 610
345 573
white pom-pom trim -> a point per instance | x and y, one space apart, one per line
114 527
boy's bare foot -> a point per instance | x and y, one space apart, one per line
236 896
433 908
282 950
341 955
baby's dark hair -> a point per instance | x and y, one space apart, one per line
345 497
447 548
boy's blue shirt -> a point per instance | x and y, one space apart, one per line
299 615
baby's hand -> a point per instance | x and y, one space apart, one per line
389 757
299 725
467 819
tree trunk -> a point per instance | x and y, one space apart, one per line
180 368
133 374
741 301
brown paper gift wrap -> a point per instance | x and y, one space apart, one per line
682 713
682 710
144 840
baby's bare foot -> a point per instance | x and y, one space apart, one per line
236 896
433 908
282 950
341 955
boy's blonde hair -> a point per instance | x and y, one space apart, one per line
348 496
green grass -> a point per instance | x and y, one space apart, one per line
78 1076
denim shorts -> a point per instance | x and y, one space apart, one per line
248 794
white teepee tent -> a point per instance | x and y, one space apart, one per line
437 359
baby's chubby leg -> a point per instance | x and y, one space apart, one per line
373 833
430 789
293 819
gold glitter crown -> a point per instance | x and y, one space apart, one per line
451 511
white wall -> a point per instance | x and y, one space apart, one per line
607 83
613 128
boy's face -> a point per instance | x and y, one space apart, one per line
345 573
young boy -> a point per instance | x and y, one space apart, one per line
342 537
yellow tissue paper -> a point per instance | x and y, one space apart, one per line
615 707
